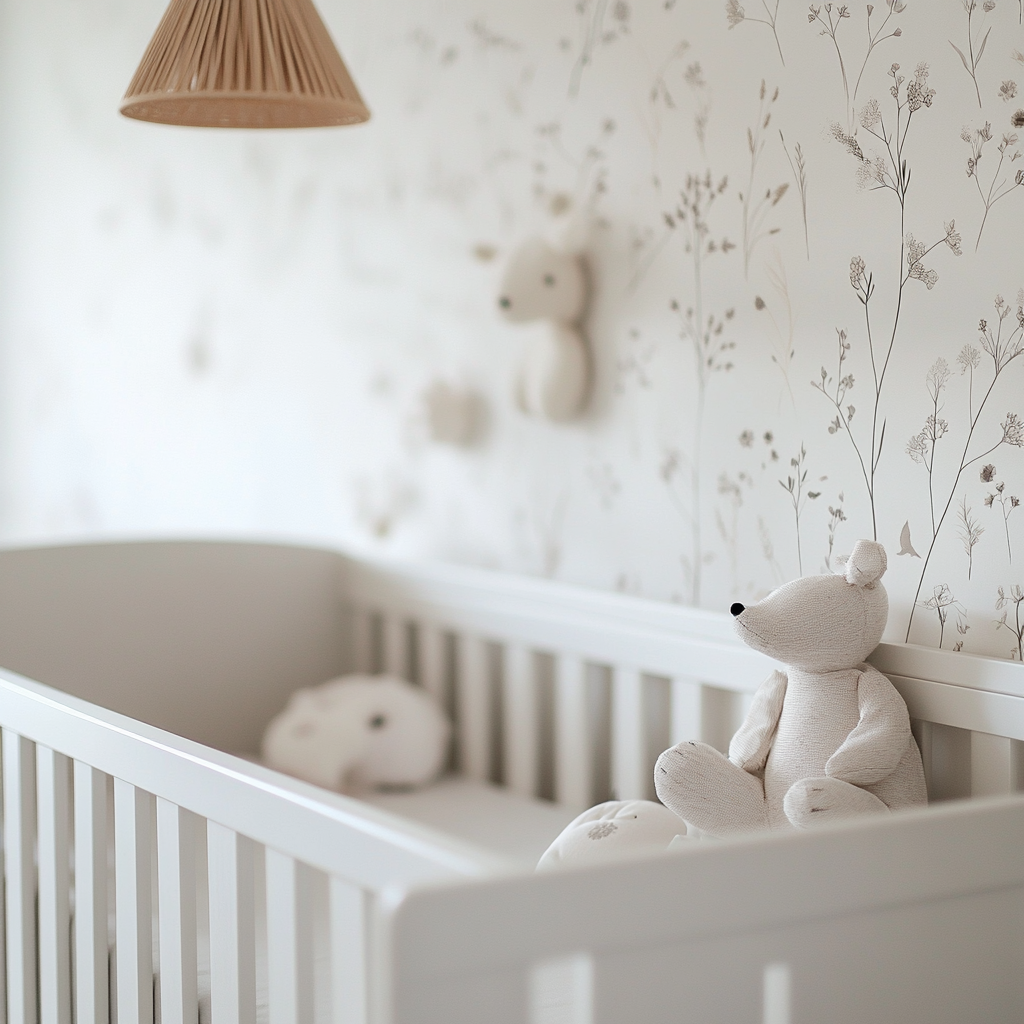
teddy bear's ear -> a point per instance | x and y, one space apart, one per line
866 565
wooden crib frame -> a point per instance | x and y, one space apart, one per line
172 649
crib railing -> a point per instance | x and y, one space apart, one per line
571 695
210 848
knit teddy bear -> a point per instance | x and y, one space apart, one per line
827 739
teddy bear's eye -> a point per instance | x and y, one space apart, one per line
549 280
378 722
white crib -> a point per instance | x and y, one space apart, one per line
183 872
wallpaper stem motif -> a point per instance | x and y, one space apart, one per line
830 28
706 336
975 41
1002 351
891 172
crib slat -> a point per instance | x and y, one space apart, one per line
133 819
176 881
232 926
349 939
53 805
290 939
474 707
629 748
521 726
574 783
19 852
923 734
992 768
396 648
91 968
687 697
432 661
362 640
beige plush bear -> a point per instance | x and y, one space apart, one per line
545 287
827 739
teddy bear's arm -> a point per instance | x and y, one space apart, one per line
753 740
878 741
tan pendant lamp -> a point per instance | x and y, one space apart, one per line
243 64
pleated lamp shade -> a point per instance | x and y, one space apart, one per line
243 64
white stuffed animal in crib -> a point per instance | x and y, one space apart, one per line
545 285
359 733
611 830
825 740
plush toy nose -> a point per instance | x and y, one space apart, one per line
737 609
505 302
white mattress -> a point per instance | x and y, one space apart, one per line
511 826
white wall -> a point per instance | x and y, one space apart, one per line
232 332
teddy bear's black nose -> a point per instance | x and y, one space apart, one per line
737 609
504 302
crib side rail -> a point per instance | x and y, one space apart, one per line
571 695
916 917
213 850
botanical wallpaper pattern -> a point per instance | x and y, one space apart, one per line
804 230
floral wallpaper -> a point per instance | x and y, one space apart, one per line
804 231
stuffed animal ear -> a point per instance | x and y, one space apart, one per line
866 565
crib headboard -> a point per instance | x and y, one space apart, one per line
204 639
572 694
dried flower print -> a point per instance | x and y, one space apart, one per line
830 26
921 447
1007 504
942 603
970 531
1012 596
891 173
710 343
836 515
997 187
976 40
736 15
798 165
755 213
794 485
783 348
1003 342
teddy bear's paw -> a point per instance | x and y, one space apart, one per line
706 789
811 802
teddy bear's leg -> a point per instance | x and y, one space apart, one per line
706 789
811 802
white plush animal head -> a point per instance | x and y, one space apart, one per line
542 282
359 732
822 623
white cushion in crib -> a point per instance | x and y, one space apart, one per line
612 830
359 733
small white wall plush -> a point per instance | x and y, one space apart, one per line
455 415
359 733
611 830
827 739
545 285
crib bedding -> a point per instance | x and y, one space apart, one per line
517 828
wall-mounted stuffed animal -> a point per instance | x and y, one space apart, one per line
545 285
359 733
827 739
455 415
